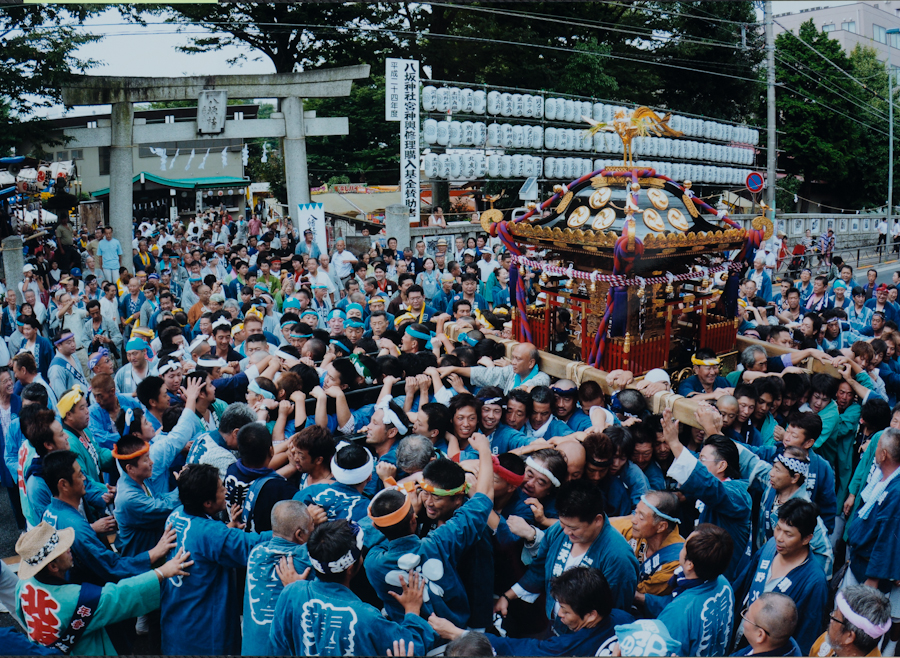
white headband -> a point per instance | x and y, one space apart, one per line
543 471
281 354
166 367
221 322
351 476
198 341
212 363
391 417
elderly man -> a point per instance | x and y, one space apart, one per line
204 292
652 531
291 526
862 615
522 371
769 625
70 318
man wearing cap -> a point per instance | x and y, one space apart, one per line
308 246
132 373
65 370
72 618
441 550
879 302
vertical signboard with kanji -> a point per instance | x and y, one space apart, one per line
406 73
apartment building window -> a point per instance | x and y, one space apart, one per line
170 118
91 124
62 156
104 161
828 27
849 26
894 40
77 154
879 34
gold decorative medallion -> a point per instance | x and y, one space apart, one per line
763 224
658 198
600 198
604 219
566 200
579 216
689 204
653 220
677 219
489 217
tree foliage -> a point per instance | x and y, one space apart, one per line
37 56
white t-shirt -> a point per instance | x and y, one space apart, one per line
486 267
343 262
882 228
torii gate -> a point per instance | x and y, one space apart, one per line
289 123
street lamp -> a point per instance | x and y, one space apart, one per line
890 208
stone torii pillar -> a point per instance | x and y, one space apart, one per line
292 124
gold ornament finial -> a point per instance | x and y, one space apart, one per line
688 184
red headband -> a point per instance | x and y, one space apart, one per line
506 474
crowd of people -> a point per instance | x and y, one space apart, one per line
252 445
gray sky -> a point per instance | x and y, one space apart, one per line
133 50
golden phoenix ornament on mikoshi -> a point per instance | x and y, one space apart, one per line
639 123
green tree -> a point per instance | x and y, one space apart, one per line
818 143
37 56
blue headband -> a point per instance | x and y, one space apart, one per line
62 339
352 323
656 511
468 340
256 388
136 344
421 336
308 312
337 312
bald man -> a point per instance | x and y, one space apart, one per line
523 371
565 405
769 625
574 453
291 526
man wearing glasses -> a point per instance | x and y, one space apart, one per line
862 615
768 627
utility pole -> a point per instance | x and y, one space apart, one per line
771 152
890 203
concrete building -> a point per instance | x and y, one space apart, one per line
863 23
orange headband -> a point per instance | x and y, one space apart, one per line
393 518
134 455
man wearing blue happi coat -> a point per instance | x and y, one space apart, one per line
291 525
700 611
190 623
585 609
323 617
713 479
582 537
434 556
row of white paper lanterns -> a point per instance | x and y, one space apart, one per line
469 133
454 99
457 166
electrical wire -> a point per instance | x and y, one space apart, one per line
862 106
675 13
828 107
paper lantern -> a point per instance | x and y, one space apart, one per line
550 109
538 167
527 105
430 165
550 167
480 131
518 137
562 139
597 112
493 102
442 102
538 107
479 102
506 131
506 104
468 133
518 107
550 137
455 97
505 166
480 166
466 100
455 133
429 129
570 110
537 137
443 133
494 166
493 135
428 99
516 166
444 165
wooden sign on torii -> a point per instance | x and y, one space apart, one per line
289 123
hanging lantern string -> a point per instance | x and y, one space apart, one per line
617 280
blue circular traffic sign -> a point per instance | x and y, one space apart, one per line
755 182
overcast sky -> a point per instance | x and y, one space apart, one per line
133 50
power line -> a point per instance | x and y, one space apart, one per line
829 61
675 13
850 100
828 107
